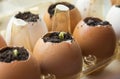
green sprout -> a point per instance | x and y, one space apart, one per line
61 35
15 52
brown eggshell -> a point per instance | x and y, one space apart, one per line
2 42
75 17
115 2
61 59
27 69
95 40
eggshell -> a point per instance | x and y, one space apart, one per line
99 40
114 18
62 59
22 33
27 69
114 2
75 17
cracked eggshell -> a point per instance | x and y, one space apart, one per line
22 33
75 17
62 59
99 40
26 69
113 17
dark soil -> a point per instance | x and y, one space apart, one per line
51 8
91 21
118 6
7 54
54 37
27 16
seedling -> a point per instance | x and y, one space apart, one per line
61 35
15 52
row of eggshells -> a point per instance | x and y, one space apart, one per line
102 9
83 6
106 37
28 35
